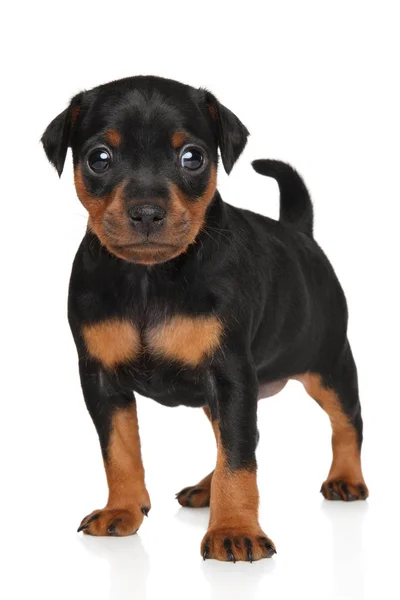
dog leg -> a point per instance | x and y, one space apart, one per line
115 418
197 496
234 532
337 393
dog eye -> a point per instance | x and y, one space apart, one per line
192 159
99 160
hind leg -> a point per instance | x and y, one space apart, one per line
337 393
197 496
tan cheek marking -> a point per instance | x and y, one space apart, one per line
346 462
179 138
186 339
196 209
112 342
97 205
113 137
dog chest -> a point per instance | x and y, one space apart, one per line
188 340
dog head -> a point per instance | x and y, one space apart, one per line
145 154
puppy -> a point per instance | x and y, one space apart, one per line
182 298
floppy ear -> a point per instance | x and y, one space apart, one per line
57 136
231 133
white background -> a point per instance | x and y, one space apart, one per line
317 85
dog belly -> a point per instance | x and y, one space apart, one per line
192 396
174 397
266 390
169 387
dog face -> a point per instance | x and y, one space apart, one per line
145 153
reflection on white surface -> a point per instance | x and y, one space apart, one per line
347 539
197 517
241 580
127 562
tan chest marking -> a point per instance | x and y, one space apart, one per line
185 339
112 342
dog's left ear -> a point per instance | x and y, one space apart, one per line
57 136
231 133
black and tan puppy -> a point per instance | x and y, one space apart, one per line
181 297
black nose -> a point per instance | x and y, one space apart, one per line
146 217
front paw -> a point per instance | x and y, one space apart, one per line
230 544
339 489
113 521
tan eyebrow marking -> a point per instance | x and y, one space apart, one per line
179 138
213 111
113 136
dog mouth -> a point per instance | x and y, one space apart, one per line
155 247
145 245
147 252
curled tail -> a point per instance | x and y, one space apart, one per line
295 202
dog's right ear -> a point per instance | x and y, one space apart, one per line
57 136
